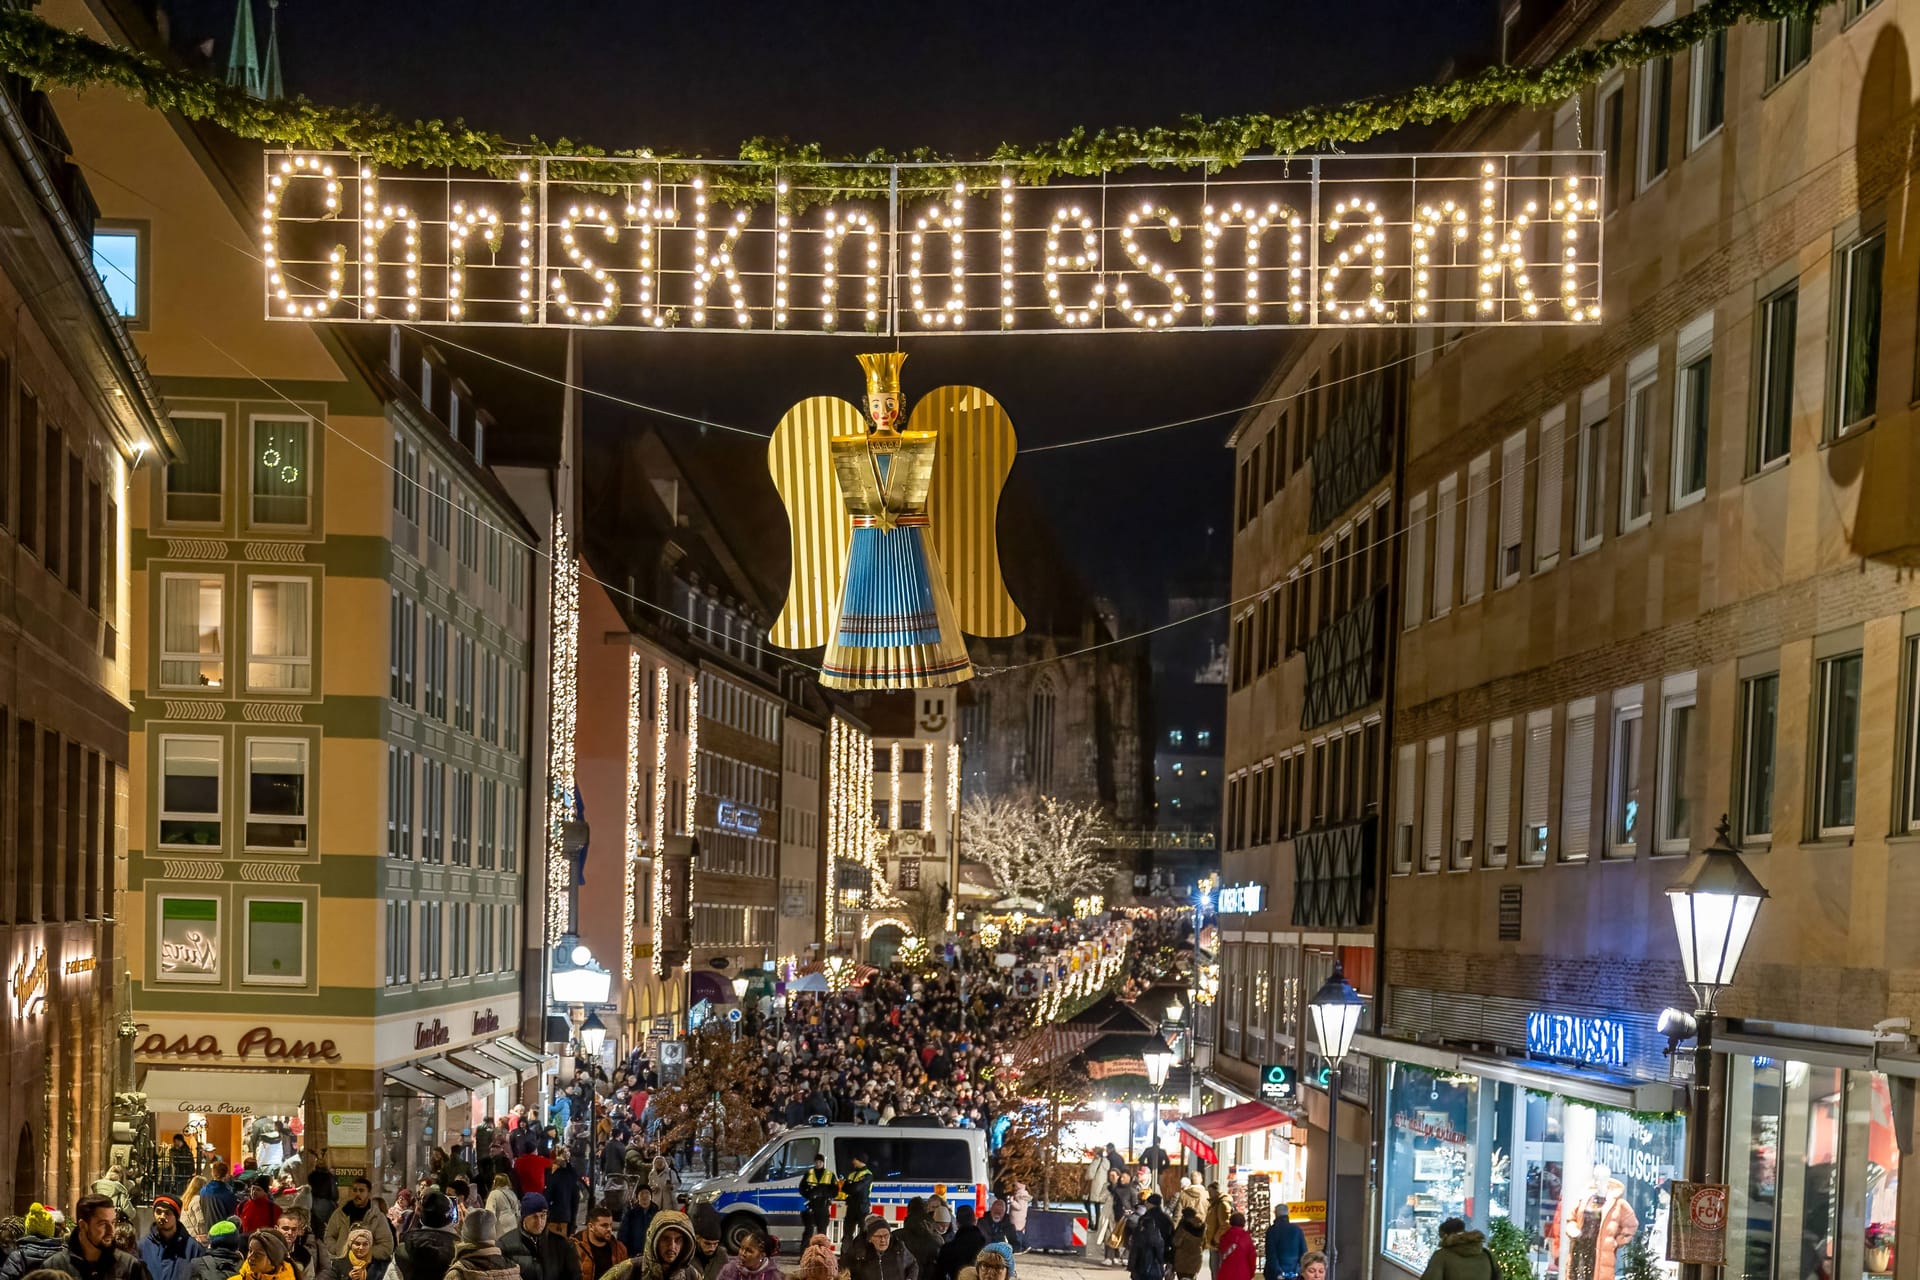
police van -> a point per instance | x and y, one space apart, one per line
906 1162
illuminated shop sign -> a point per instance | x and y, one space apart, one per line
1599 1041
1243 899
737 817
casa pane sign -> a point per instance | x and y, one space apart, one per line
1454 239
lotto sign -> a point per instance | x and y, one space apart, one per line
1454 239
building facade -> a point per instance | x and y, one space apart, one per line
917 770
77 418
803 840
1657 572
328 770
1306 734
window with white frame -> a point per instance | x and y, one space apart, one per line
1613 141
399 945
510 827
1446 515
277 794
433 940
1856 346
1656 111
280 635
1499 793
1405 781
192 631
1692 411
462 820
1416 565
276 941
1434 836
1855 8
1836 758
1636 446
1759 714
1677 789
280 471
1536 788
1466 795
433 811
1473 573
190 778
1548 490
1623 775
1576 800
1513 509
457 949
194 488
1707 103
486 844
1909 807
1773 394
1789 46
406 478
1590 487
399 803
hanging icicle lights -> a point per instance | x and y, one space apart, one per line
563 681
662 728
636 706
1456 239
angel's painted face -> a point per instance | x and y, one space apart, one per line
884 408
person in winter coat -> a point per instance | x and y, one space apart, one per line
358 1262
876 1255
1462 1255
751 1262
306 1255
476 1255
38 1244
1236 1251
502 1203
1148 1242
708 1255
663 1181
923 1241
266 1258
996 1225
357 1211
818 1260
857 1187
1189 1245
1017 1205
114 1186
426 1252
226 1252
599 1250
968 1240
87 1252
217 1201
537 1252
1004 1252
563 1193
818 1188
167 1250
669 1250
1286 1246
1217 1224
635 1220
1193 1195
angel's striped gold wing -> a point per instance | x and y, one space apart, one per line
974 455
800 456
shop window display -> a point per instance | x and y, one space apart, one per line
1583 1182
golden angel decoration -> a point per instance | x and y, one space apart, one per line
894 551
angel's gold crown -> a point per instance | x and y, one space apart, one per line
883 371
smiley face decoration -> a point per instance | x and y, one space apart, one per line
894 551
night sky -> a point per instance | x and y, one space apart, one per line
1138 518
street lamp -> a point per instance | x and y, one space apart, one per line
739 990
1159 1062
1176 1010
1714 904
1336 1009
593 1034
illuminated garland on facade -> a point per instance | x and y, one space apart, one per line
636 677
953 834
929 788
893 783
563 672
662 724
49 57
693 751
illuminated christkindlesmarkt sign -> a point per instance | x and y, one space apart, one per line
1456 239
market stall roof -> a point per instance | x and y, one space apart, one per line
253 1093
1051 1044
1109 1014
1199 1134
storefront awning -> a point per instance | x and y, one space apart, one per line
501 1061
1200 1134
1600 1088
471 1059
420 1082
465 1077
514 1050
1765 1040
1420 1055
226 1093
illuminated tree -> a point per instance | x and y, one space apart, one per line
1036 846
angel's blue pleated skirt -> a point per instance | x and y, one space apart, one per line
897 628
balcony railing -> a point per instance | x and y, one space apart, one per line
1333 875
1346 663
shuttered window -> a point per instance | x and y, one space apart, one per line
1546 508
1479 493
1416 566
1499 792
1535 782
1466 782
1576 805
1405 780
1434 836
1446 515
1513 504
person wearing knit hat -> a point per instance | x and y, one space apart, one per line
40 1221
167 1251
226 1252
358 1262
41 1244
266 1257
477 1256
426 1252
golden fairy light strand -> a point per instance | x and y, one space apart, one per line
563 672
636 688
662 725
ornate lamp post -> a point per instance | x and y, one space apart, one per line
1159 1062
1336 1008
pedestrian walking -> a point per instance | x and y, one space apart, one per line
357 1211
502 1204
1217 1223
1236 1251
1147 1245
1193 1195
1189 1249
968 1240
358 1262
563 1193
1286 1246
266 1258
167 1250
636 1219
305 1254
819 1262
876 1255
426 1252
1314 1266
477 1254
537 1252
1462 1255
751 1262
920 1236
599 1249
227 1253
670 1252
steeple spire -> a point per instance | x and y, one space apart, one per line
243 58
270 86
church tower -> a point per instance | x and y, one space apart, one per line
245 67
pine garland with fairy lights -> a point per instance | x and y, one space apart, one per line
50 57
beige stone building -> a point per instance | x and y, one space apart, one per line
1654 572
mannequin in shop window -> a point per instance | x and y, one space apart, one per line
1595 1226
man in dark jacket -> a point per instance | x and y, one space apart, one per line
226 1252
88 1253
708 1254
217 1201
563 1192
857 1186
167 1251
358 1211
1286 1245
540 1254
426 1252
637 1218
968 1240
923 1241
1462 1255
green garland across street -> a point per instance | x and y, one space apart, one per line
50 57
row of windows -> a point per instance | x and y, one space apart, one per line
733 926
488 698
912 815
278 468
273 802
61 825
802 756
725 629
739 708
798 826
912 760
1350 566
733 853
1288 444
1335 778
191 947
482 813
455 940
277 651
62 515
738 781
484 546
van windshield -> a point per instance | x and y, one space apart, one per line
788 1158
906 1159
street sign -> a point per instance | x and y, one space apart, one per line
1277 1083
733 1015
673 1060
663 1025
